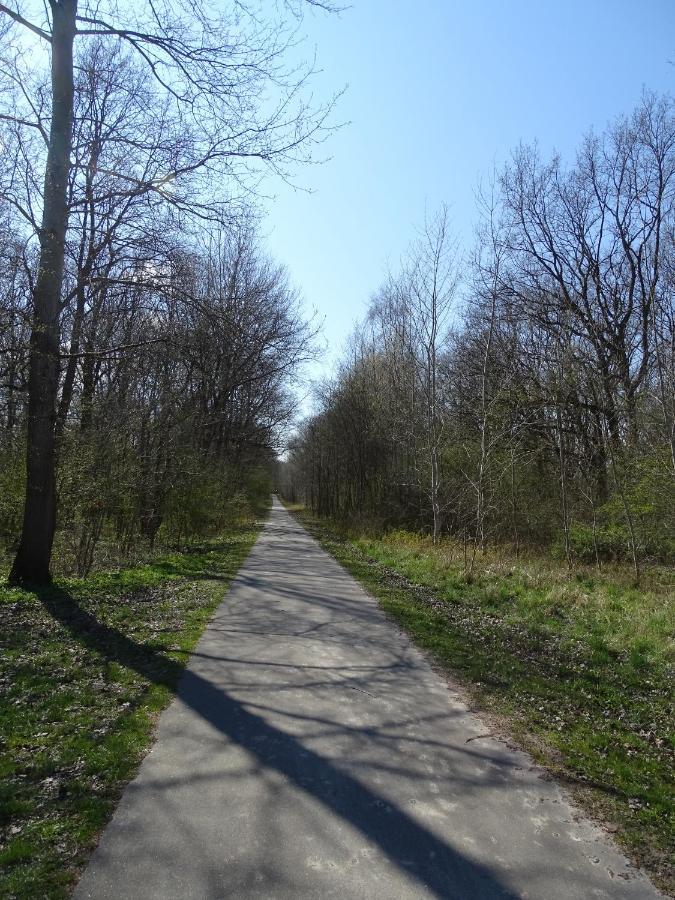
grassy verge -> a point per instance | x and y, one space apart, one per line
87 666
577 668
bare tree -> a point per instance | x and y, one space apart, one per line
431 277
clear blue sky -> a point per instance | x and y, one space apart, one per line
439 92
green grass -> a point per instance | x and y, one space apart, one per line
578 667
86 667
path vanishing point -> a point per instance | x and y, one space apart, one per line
313 752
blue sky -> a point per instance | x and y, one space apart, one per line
439 92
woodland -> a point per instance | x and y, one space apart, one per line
494 460
147 341
493 456
523 394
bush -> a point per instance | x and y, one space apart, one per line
612 542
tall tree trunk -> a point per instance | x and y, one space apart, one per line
71 368
435 505
432 382
479 537
562 459
34 555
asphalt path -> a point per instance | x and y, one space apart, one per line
313 752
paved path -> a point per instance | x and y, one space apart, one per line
313 753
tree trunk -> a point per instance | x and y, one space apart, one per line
35 549
435 505
71 368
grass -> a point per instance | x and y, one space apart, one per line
87 666
577 667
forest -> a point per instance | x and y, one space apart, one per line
491 460
494 460
148 342
520 392
524 393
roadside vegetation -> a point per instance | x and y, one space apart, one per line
87 664
536 405
148 350
497 448
520 395
147 339
576 666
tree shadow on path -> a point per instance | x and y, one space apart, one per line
415 850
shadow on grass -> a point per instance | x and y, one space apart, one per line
411 847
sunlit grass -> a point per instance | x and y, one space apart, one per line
578 666
543 591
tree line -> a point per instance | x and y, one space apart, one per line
147 342
526 393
